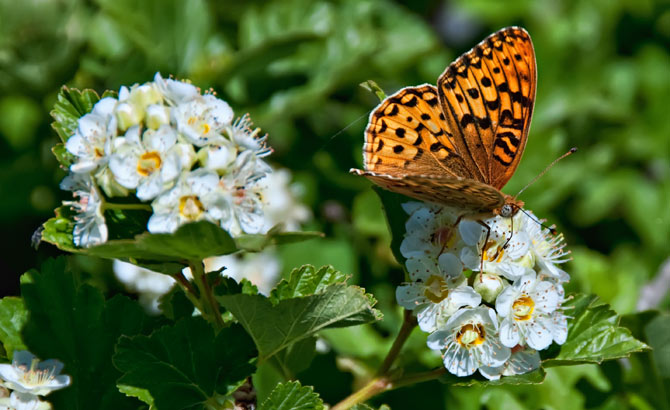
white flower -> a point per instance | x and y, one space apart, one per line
148 284
202 119
527 309
469 340
175 91
218 157
90 228
548 249
150 164
489 285
244 194
430 229
506 251
522 360
281 204
92 141
27 374
194 197
438 289
242 134
24 401
262 269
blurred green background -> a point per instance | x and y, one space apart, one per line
295 66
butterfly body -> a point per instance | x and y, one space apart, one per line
459 143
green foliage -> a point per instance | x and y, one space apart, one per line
292 396
594 334
13 316
72 322
275 326
215 364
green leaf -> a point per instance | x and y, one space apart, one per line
292 396
396 217
141 394
192 241
70 106
296 357
74 324
186 365
594 334
274 327
658 335
58 230
258 242
305 281
175 305
62 155
13 316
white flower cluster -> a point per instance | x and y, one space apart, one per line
169 144
497 319
29 378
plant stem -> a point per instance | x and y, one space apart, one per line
211 310
382 382
128 207
408 324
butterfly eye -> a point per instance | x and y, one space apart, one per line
506 210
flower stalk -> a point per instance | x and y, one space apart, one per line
209 306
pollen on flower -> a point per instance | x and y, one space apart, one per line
190 207
523 308
148 163
436 289
471 335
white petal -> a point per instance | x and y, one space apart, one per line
538 333
163 223
471 232
410 296
545 296
150 188
505 300
161 140
438 340
450 265
421 267
559 328
509 333
464 296
427 316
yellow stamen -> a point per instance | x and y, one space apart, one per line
436 289
523 308
190 207
148 163
471 335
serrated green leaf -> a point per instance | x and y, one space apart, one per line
70 106
58 230
185 365
193 241
141 394
229 286
396 218
658 336
62 155
175 305
273 328
305 281
74 324
292 396
258 242
13 316
594 334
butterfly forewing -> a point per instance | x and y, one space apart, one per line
487 96
407 133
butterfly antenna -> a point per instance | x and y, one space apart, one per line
551 229
344 129
572 151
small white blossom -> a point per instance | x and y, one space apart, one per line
523 360
28 375
547 249
92 141
149 285
430 229
243 135
527 308
262 269
174 91
281 204
202 119
149 164
438 289
195 196
469 341
90 227
489 285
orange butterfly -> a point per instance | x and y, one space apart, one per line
458 144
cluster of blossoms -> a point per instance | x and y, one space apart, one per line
496 319
261 268
28 378
172 146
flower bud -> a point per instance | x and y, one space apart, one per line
488 285
128 115
157 115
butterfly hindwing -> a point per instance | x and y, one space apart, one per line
463 193
487 96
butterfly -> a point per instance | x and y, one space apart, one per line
459 143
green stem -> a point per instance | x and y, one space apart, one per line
382 382
210 309
408 324
128 207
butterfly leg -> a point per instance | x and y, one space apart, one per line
511 234
486 241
